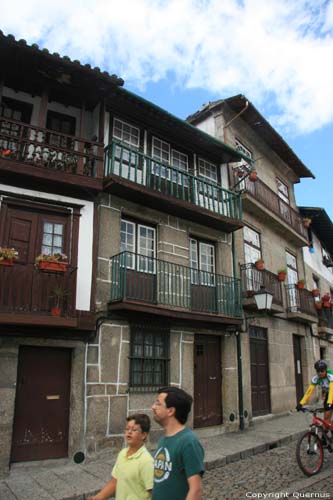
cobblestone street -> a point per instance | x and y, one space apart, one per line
275 472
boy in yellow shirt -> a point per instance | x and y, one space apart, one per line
132 474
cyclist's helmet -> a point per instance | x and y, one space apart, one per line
320 365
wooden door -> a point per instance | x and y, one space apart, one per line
23 288
260 390
42 404
207 381
298 367
16 284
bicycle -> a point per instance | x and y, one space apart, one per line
310 446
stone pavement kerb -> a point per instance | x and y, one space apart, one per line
70 481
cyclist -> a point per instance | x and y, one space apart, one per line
323 379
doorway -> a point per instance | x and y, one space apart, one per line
298 367
41 417
207 381
260 390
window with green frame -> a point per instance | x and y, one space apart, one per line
149 355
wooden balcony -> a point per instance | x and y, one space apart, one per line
144 284
263 202
253 280
130 173
30 154
27 295
300 304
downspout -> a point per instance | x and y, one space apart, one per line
239 347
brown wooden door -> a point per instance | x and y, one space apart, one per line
298 367
260 392
16 285
42 404
207 381
23 288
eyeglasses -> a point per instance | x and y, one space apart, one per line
132 429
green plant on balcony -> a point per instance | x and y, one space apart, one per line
52 262
300 283
7 256
58 294
282 274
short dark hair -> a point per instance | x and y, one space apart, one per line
178 399
140 419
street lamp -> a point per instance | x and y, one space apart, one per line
263 299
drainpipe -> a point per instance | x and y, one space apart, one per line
239 346
234 118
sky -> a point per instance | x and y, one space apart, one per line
181 54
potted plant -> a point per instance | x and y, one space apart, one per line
282 274
326 300
260 264
58 295
7 256
253 176
57 262
307 221
301 283
315 292
318 305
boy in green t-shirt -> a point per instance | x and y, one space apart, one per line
132 474
178 460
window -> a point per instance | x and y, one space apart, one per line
252 245
17 111
149 355
126 160
64 125
126 133
202 261
243 165
252 253
180 161
139 241
291 268
161 152
283 195
53 238
208 170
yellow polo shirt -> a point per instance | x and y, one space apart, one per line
134 474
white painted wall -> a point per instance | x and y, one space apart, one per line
208 125
315 261
85 246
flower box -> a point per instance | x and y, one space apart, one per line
6 262
48 265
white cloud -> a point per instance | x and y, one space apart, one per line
276 52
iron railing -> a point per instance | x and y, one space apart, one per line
49 150
254 279
154 281
265 195
300 300
135 166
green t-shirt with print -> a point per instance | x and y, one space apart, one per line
176 458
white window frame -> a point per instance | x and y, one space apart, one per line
137 251
197 263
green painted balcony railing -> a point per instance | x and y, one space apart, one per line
137 167
154 281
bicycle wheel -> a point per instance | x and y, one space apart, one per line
309 453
